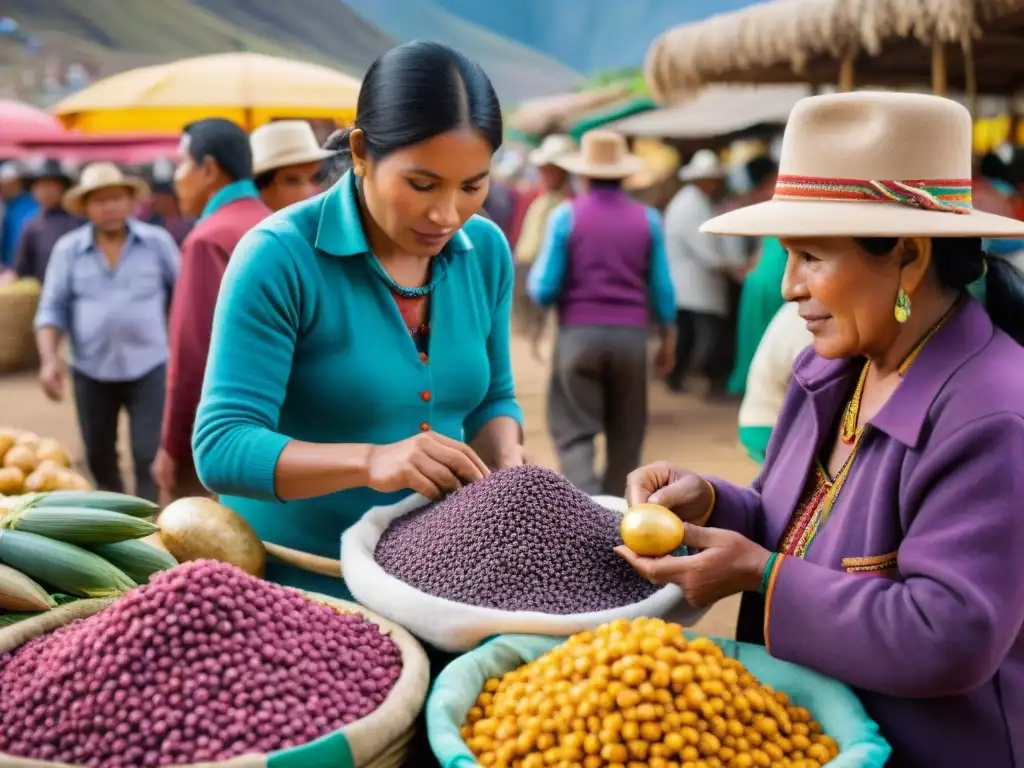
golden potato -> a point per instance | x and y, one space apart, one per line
12 481
50 450
30 439
44 478
6 443
23 457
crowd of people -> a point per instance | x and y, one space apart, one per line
308 356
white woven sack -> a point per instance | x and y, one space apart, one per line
456 627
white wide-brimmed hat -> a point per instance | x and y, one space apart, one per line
554 147
603 155
703 165
872 164
283 143
97 176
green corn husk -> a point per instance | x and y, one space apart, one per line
7 619
19 593
108 500
79 526
71 569
137 559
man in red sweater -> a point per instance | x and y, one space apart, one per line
214 183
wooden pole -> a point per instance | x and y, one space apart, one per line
970 77
846 72
940 77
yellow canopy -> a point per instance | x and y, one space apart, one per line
248 88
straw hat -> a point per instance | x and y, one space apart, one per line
283 143
554 146
872 164
703 165
603 155
100 176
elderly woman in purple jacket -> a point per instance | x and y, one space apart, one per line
883 542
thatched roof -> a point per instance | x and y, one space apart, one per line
559 113
718 111
805 40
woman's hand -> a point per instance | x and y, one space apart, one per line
726 564
428 463
686 493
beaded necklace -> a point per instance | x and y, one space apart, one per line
415 292
852 416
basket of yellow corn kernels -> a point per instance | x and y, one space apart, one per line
643 693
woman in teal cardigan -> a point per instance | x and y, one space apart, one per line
360 346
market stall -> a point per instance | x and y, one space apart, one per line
148 638
550 114
248 88
19 121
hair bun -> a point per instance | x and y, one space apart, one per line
339 140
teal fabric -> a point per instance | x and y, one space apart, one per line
833 705
330 751
755 442
760 299
308 343
238 190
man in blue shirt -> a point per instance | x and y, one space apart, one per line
108 288
18 208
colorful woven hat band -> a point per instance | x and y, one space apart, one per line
946 195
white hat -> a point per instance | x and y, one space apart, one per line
703 165
283 143
872 164
100 176
603 155
553 147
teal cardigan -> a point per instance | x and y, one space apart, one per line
308 344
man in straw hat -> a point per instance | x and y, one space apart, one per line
554 190
881 543
603 264
48 180
107 287
214 184
286 161
699 266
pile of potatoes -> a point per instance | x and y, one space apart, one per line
31 464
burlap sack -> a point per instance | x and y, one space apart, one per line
379 740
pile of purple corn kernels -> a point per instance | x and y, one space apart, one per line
521 539
203 664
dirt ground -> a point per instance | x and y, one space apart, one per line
682 429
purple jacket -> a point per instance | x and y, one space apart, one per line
913 590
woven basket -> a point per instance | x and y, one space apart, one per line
380 740
17 341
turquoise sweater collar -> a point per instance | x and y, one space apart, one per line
238 190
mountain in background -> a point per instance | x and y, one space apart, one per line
590 36
109 36
517 71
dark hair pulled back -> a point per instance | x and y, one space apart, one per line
412 93
960 261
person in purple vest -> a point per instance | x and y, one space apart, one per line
603 265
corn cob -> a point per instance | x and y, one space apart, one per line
79 526
108 500
19 593
71 569
136 558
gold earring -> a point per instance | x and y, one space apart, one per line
902 310
358 170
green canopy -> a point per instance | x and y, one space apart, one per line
617 111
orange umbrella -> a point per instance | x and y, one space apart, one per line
249 88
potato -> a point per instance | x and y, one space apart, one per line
6 443
69 480
45 478
23 457
12 481
31 439
201 529
50 450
